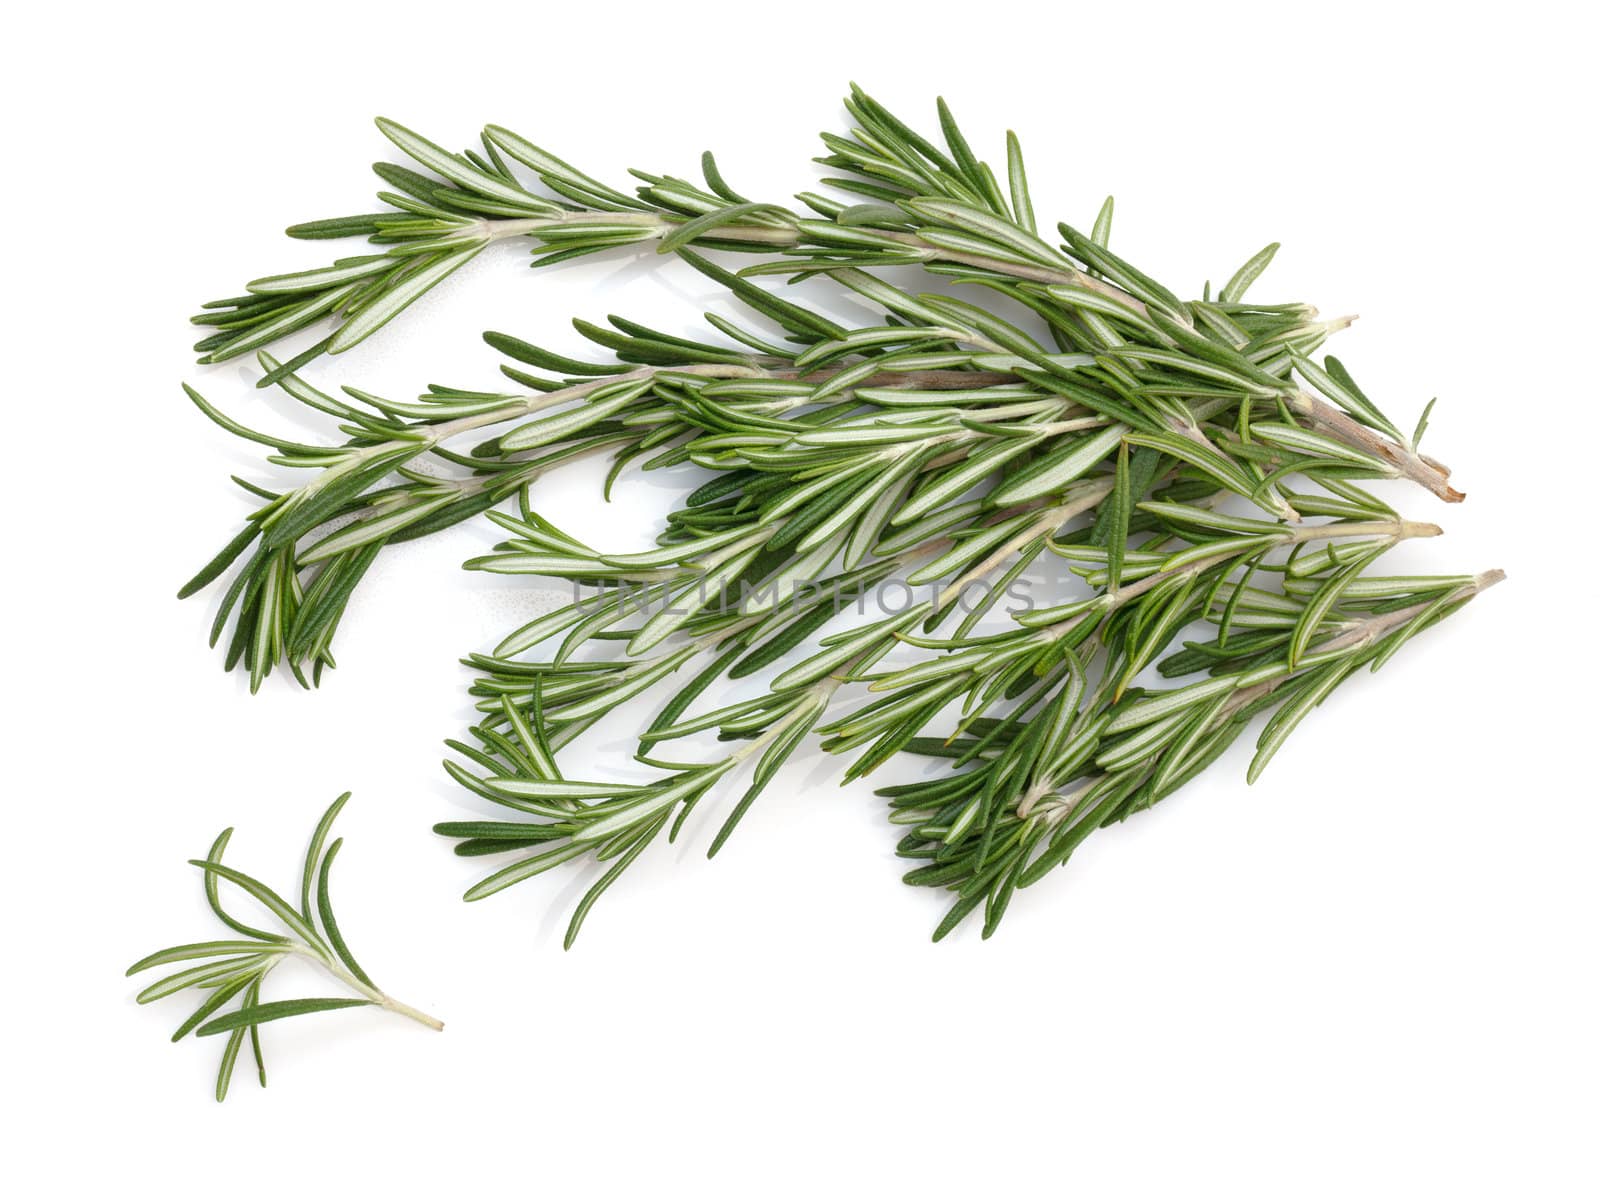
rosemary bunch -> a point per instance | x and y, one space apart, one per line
1188 461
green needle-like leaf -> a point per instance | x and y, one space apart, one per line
277 1010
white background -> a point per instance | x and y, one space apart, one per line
1378 963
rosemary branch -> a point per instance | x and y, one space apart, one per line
924 208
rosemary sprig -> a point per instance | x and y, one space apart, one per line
236 968
868 410
1037 671
941 210
1022 795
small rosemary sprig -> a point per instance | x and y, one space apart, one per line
237 967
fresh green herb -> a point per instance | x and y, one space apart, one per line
1190 462
233 969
